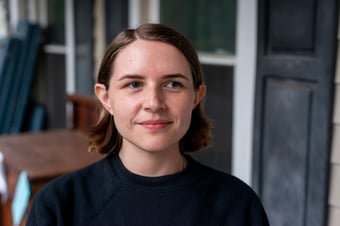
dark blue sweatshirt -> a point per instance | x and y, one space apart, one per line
106 193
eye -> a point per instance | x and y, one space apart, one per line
134 85
174 84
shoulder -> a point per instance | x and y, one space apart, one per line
230 198
80 179
219 180
74 195
229 186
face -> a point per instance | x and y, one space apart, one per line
151 96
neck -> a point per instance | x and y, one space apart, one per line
153 164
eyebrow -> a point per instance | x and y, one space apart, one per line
130 76
135 76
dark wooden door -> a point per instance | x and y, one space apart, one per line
293 110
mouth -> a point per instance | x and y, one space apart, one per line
155 124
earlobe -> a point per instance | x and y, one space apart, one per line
200 93
103 96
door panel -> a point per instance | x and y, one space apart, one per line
287 116
293 106
290 30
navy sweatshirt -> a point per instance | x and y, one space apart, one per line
106 193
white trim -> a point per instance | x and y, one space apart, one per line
146 11
70 47
32 10
3 21
55 49
227 60
14 14
153 12
43 12
99 34
244 89
134 13
70 57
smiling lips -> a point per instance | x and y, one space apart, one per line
155 124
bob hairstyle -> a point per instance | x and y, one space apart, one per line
104 137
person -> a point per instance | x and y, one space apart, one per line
150 86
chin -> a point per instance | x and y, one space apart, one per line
159 148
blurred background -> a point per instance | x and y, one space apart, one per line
270 68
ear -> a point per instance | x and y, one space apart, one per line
200 93
103 96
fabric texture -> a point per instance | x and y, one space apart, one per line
106 193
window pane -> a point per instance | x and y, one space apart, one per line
84 23
56 22
218 105
209 25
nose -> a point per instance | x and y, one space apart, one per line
154 100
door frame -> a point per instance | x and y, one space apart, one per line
244 90
244 77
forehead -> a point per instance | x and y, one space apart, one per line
155 55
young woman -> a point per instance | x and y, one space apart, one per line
150 85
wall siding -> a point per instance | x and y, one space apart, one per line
334 188
334 217
335 157
334 195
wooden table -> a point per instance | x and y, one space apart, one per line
43 156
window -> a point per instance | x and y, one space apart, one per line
56 22
211 28
209 25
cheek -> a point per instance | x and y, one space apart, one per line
123 111
120 109
185 112
119 103
188 109
121 118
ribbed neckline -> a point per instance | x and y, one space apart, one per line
161 183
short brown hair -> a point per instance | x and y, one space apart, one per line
104 137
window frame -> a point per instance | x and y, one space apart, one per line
244 63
